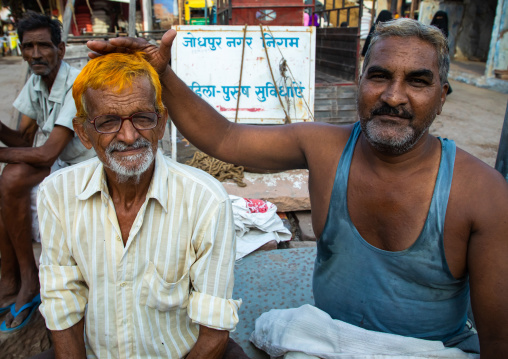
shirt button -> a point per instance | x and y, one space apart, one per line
118 238
123 284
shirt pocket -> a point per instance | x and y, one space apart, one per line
158 294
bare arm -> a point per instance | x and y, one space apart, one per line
269 147
211 344
70 343
43 156
23 137
488 265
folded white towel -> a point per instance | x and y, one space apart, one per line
308 332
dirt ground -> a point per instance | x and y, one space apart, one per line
473 117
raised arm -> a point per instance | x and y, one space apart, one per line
270 147
488 264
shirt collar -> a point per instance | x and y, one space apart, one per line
158 188
58 90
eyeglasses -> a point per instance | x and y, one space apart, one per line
113 123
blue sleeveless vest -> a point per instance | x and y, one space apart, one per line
410 292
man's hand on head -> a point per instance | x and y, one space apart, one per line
158 57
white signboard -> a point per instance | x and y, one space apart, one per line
209 60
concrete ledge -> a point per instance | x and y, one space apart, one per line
288 190
493 84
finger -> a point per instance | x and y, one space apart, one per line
167 41
99 46
132 43
106 47
93 55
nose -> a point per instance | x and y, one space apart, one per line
128 133
395 94
36 53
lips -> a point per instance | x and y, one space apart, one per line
391 118
38 63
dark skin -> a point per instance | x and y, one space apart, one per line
127 196
389 193
26 167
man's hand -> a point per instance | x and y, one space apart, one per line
158 57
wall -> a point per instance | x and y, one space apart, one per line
473 40
498 56
455 11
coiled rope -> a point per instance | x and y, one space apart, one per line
217 168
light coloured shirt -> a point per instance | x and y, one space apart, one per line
144 299
55 108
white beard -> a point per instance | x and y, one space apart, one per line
130 168
394 139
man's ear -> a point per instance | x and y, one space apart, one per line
61 50
79 127
444 91
162 124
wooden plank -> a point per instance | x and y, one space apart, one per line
341 37
339 44
334 107
334 96
335 49
345 70
341 60
327 31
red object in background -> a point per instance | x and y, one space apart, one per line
83 20
268 12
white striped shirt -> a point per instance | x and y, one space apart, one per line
145 299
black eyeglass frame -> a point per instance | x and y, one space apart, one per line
122 119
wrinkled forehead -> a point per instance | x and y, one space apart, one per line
42 34
403 54
138 95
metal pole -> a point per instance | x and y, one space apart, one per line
132 18
147 15
206 10
180 11
502 153
412 11
67 19
372 13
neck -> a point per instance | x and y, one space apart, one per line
131 191
422 151
49 79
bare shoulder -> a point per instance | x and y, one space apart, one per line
322 139
479 187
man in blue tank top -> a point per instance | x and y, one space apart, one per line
409 227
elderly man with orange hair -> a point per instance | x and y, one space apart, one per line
138 250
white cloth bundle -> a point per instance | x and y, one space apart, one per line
256 223
308 332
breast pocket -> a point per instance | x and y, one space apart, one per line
161 295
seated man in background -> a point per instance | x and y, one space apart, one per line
409 226
44 142
145 243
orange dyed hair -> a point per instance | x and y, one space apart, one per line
116 72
